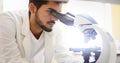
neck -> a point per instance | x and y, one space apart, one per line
35 29
37 35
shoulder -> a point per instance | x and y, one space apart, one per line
12 18
13 14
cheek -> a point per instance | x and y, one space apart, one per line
43 17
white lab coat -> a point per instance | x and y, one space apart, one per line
14 32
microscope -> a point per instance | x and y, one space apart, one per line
88 27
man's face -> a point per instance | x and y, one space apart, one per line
43 17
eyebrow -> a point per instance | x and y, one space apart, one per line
55 10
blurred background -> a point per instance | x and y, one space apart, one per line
105 12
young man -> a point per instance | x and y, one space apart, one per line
26 37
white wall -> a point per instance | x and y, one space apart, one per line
1 6
10 5
101 12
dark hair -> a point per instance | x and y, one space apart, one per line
39 3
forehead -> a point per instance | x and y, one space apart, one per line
54 5
62 1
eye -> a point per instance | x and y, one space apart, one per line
48 11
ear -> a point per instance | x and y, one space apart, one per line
32 8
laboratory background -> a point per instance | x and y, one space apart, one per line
105 12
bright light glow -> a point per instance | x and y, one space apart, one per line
75 39
96 10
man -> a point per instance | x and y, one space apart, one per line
29 37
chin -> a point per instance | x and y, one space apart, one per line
48 30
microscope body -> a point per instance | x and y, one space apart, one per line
88 26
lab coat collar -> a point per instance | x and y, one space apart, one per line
26 24
25 35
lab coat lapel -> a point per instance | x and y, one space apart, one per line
22 30
49 46
27 47
26 37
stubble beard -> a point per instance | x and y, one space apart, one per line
38 21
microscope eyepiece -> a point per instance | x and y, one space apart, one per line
64 18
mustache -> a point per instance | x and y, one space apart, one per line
52 21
